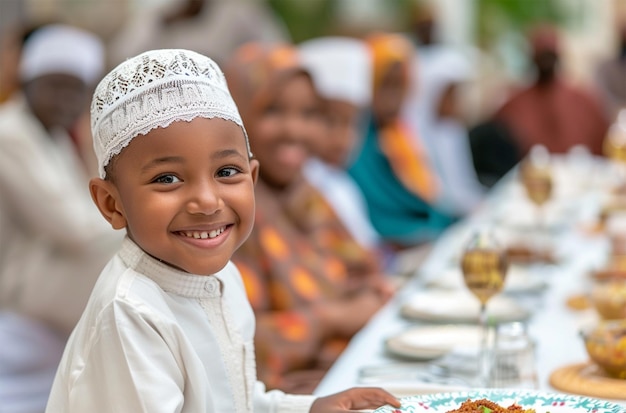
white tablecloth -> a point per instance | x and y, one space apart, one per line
554 326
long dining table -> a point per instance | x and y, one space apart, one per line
568 228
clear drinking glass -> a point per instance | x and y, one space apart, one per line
513 364
484 266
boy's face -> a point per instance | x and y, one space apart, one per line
185 193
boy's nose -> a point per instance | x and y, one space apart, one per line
204 199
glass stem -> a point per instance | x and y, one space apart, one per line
540 219
483 359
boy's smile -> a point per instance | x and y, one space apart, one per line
205 238
203 234
184 193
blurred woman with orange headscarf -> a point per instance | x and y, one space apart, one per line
393 172
309 297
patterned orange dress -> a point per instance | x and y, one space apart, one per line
299 255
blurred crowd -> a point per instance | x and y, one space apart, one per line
366 154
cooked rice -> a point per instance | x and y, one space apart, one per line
478 406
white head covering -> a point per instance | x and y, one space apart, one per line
62 49
445 140
153 90
437 68
341 68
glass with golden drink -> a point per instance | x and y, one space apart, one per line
484 266
615 148
484 272
536 177
614 145
538 184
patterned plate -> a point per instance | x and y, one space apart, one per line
541 402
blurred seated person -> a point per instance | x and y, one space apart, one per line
308 299
552 112
390 165
494 151
433 111
10 45
212 27
53 243
341 71
611 77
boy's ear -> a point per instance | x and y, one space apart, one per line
106 198
254 169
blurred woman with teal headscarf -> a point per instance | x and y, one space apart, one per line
390 167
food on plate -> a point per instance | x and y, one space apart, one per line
615 269
523 254
615 206
606 345
609 299
511 400
609 273
487 406
579 302
618 246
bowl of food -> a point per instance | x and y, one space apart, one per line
608 296
606 346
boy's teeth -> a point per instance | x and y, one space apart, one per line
203 234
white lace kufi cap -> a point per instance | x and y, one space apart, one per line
153 90
62 49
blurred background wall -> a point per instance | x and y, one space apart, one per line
494 30
491 24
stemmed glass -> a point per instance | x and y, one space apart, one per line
484 266
536 177
614 145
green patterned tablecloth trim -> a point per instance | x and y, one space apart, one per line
543 402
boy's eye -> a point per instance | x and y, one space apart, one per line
227 172
166 179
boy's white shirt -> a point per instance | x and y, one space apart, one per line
155 339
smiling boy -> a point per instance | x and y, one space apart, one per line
168 327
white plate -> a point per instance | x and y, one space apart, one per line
518 279
522 215
429 342
540 401
460 306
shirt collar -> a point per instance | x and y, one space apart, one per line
167 277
